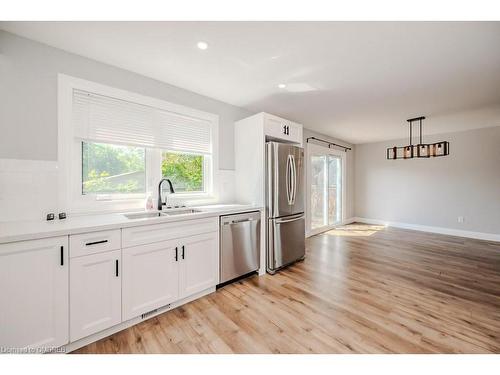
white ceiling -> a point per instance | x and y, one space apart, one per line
362 80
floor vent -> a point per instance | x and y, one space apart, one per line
155 311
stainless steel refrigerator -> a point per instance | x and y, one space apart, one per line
284 205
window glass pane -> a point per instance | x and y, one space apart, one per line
184 170
319 202
334 190
112 169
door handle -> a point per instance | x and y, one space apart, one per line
176 253
116 268
62 255
182 252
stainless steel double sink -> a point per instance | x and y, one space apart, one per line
173 212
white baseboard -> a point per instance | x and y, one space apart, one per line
425 228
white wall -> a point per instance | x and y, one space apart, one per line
28 118
349 209
433 192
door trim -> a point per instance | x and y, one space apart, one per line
311 149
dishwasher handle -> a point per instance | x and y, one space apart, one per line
228 220
238 221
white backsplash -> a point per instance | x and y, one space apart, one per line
226 187
29 189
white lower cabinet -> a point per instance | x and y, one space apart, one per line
52 295
150 277
199 266
95 290
34 293
157 274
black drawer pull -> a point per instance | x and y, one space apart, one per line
176 254
95 243
182 251
62 255
116 268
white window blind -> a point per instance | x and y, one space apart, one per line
111 120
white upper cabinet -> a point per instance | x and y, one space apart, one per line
34 293
281 129
95 289
199 263
250 137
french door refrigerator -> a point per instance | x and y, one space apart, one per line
284 205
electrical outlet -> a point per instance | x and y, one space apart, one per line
460 219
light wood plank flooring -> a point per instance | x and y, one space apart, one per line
361 289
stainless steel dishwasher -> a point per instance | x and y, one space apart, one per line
239 244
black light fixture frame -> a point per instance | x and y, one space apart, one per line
420 150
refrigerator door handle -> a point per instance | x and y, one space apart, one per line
289 179
283 221
294 180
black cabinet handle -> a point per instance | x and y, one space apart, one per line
182 251
116 268
62 255
176 254
284 129
95 243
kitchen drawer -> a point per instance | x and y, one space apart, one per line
162 232
94 242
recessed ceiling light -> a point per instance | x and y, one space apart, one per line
202 45
281 85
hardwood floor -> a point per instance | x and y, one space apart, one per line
361 289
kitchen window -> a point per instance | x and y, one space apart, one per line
113 169
186 171
115 147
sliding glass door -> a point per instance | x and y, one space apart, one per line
325 180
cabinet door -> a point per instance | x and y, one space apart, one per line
95 290
276 127
34 293
199 263
294 132
150 277
279 128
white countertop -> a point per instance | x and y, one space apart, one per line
30 230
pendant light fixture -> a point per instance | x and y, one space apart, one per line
420 150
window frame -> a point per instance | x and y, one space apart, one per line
316 149
70 160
